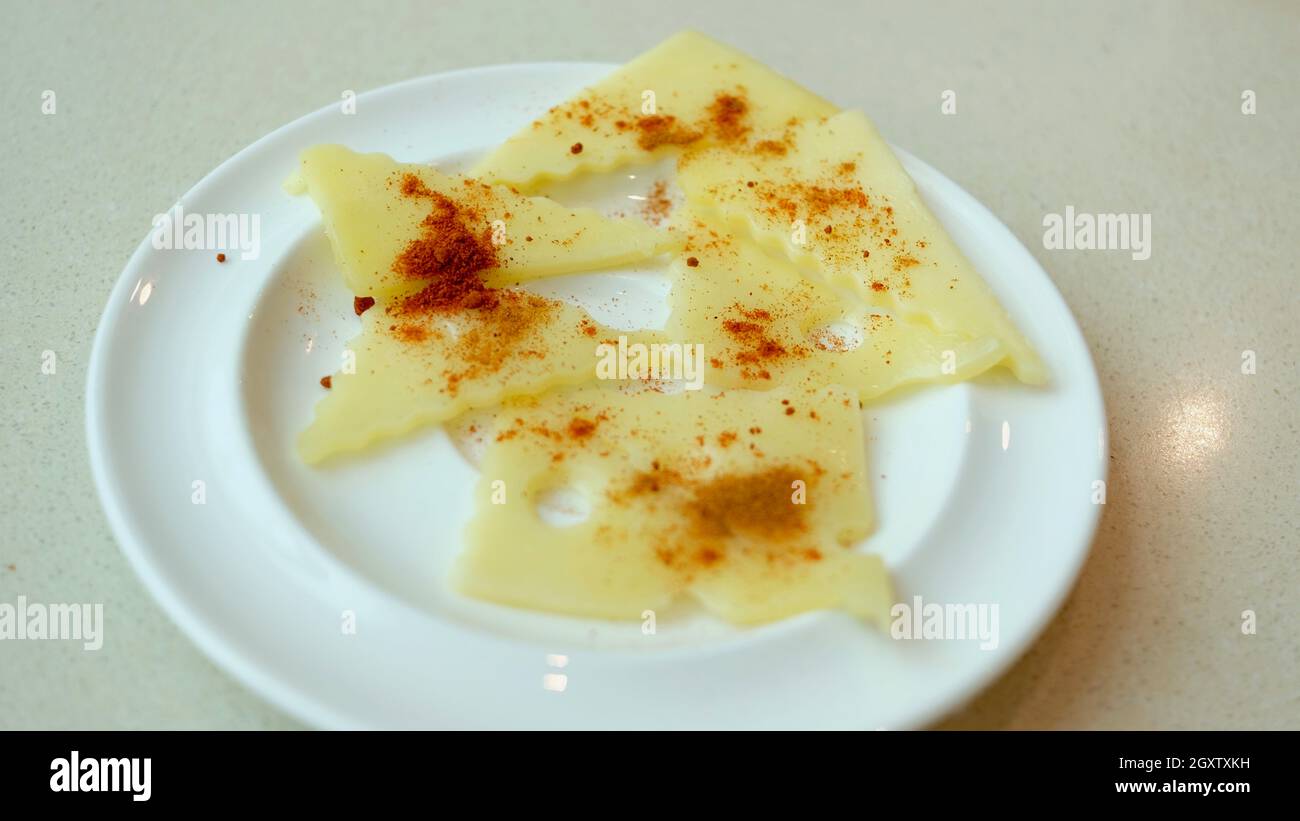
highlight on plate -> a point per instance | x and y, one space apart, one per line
804 266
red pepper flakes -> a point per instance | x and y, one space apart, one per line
361 304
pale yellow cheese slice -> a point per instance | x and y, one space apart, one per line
748 501
371 223
763 324
412 370
840 203
688 89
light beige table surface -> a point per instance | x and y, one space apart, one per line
1111 107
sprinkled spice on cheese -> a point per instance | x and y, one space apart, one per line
450 251
753 506
758 345
658 206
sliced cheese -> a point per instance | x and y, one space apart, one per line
839 202
373 217
734 498
413 370
763 324
689 89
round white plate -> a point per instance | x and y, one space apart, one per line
204 372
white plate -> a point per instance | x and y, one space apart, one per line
204 372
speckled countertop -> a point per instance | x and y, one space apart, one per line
1107 107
